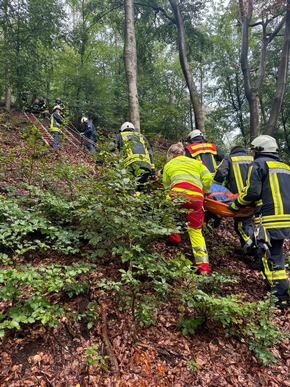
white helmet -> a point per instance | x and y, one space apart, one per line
127 125
264 144
57 107
84 119
194 133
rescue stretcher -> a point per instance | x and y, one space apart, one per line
217 202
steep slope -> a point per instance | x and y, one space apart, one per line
71 354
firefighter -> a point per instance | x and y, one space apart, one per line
61 104
24 101
232 172
200 149
56 121
90 133
137 153
39 107
268 183
189 180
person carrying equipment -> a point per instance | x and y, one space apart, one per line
268 183
90 133
189 179
200 149
137 153
232 172
56 121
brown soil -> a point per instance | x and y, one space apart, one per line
158 355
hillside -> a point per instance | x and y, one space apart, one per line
98 341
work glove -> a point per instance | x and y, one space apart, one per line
233 207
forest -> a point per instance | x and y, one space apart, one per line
219 66
90 293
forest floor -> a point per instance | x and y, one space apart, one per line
155 356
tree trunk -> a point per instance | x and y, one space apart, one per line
7 65
282 78
252 92
130 58
7 94
197 107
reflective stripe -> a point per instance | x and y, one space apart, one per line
136 158
279 166
203 147
200 254
188 178
272 276
198 245
129 138
245 190
275 190
237 161
242 233
273 221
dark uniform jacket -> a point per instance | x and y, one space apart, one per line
90 131
206 152
268 185
234 170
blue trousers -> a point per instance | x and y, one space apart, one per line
55 141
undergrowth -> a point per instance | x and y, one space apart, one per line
77 214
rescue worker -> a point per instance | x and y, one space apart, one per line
56 120
90 133
232 172
61 104
189 179
24 101
39 107
268 183
200 149
137 153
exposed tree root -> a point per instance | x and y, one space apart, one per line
108 345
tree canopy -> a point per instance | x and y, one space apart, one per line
220 67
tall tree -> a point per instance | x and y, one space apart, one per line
272 19
194 97
271 125
130 58
5 22
30 31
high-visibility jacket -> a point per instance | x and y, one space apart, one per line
268 185
135 149
234 170
206 152
55 122
183 174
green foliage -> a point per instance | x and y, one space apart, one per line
90 316
94 359
100 219
253 323
25 229
29 289
193 366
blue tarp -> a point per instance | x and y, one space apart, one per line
219 189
